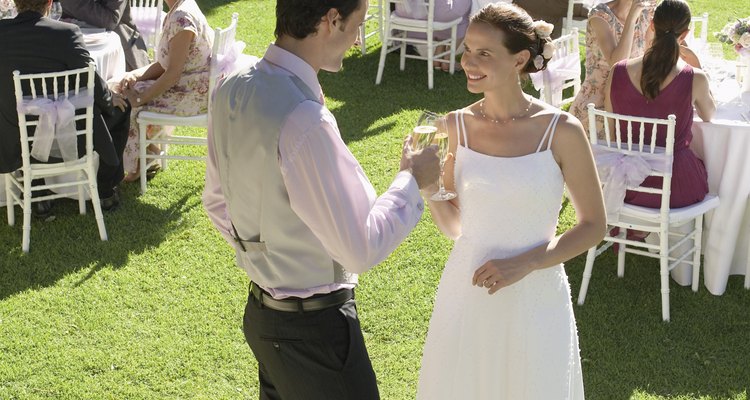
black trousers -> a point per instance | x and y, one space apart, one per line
110 175
311 355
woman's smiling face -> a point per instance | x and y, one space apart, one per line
486 61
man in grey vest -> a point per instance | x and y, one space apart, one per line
284 190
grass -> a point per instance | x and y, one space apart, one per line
155 312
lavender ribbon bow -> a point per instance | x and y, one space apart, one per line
225 63
147 19
56 124
554 76
619 171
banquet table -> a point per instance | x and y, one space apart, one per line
724 144
106 50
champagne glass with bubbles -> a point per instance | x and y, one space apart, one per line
441 140
424 132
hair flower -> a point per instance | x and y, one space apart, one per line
538 62
549 50
543 29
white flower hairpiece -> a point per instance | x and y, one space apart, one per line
543 29
548 51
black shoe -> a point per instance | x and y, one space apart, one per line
43 210
411 50
110 203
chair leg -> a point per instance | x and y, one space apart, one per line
81 195
142 160
621 254
381 63
402 55
26 238
96 204
664 273
452 62
587 275
363 38
697 245
430 62
10 204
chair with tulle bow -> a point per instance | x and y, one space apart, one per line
563 71
224 52
395 37
57 107
624 159
148 15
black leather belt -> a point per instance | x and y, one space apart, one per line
294 304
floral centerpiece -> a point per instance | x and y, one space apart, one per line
738 35
7 9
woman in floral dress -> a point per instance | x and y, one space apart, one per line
609 40
177 82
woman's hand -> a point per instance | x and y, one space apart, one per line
127 82
133 96
497 274
637 7
118 100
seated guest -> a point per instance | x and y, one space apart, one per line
656 85
445 11
33 43
112 15
616 31
177 82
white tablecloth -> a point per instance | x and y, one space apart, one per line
724 146
106 50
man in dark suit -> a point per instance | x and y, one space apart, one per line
33 43
112 15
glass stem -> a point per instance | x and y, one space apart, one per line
441 186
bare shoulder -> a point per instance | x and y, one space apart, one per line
569 136
700 76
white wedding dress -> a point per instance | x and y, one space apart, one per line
520 343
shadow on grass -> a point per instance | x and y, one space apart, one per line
627 349
71 241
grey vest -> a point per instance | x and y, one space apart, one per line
280 251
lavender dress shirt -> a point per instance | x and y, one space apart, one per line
327 187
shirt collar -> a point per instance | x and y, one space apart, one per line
294 65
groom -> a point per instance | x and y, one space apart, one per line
284 190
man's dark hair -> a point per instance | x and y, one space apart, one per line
300 18
31 5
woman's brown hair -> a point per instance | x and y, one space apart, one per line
671 19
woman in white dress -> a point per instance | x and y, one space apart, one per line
503 324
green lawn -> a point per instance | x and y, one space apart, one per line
155 312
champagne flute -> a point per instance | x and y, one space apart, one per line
56 10
425 131
441 140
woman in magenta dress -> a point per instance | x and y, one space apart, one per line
669 85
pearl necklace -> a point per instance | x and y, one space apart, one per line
502 122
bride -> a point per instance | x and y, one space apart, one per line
503 324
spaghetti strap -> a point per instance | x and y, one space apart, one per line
550 131
463 129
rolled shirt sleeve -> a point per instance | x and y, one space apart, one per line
331 194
